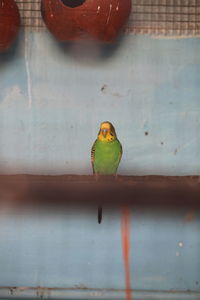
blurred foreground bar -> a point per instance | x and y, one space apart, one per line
59 191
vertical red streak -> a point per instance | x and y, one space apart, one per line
125 229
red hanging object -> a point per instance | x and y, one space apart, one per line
9 23
79 19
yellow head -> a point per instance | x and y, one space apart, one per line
107 132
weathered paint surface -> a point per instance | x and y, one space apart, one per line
126 246
52 100
73 251
85 294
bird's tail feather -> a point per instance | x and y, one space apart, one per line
100 210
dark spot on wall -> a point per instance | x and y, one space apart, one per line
103 88
170 102
162 143
197 282
146 133
73 3
175 151
12 291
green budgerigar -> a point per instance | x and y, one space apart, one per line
106 151
106 154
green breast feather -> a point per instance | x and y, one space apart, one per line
106 157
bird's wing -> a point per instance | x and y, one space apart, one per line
121 152
93 156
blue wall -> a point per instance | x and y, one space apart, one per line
52 99
71 250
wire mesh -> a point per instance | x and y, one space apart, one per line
161 17
30 13
165 17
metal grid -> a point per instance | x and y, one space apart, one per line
30 13
158 17
165 17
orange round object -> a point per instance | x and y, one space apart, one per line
78 19
9 23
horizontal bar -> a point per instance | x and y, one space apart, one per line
25 190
